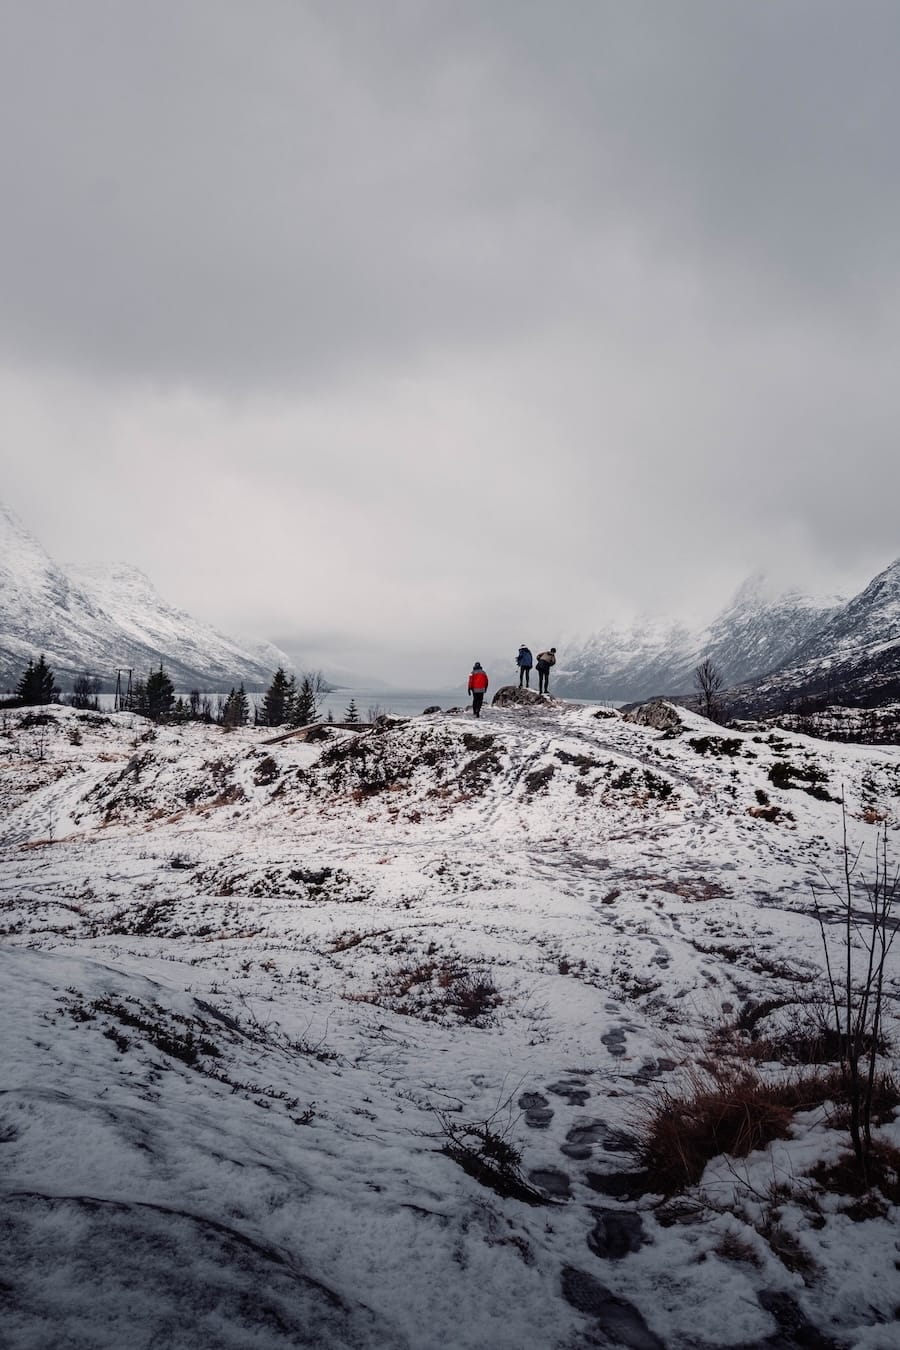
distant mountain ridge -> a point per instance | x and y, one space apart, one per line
757 631
98 619
853 659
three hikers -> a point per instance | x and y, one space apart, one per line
478 680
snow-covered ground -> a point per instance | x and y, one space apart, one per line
252 994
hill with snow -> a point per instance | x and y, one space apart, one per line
354 1043
96 620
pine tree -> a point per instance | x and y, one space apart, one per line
290 699
274 711
352 713
159 695
236 709
306 702
37 685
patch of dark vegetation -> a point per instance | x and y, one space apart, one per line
489 1158
656 786
644 783
810 1038
477 743
91 719
315 878
540 780
476 776
716 746
152 920
435 988
869 1191
181 863
181 1037
381 762
36 720
582 762
308 883
265 772
786 776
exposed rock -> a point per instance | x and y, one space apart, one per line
512 696
426 712
659 714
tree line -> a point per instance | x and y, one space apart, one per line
288 702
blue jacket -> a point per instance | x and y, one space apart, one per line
525 659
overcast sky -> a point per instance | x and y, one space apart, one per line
413 330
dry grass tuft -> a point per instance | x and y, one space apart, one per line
730 1110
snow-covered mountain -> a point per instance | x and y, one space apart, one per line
853 658
757 631
100 619
626 661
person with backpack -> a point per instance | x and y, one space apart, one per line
478 683
524 661
544 661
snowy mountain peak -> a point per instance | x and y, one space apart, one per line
100 618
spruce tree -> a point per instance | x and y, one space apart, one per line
236 709
274 711
159 695
37 685
290 699
306 702
352 713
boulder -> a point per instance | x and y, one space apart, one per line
659 714
511 696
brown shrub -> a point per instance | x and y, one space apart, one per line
722 1111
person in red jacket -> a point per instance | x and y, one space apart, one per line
478 683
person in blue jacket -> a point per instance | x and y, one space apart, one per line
524 661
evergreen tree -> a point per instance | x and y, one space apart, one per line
290 699
352 713
138 700
236 710
306 702
274 711
159 695
37 685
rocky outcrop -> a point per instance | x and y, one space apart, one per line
658 714
511 696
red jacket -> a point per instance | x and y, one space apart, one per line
478 682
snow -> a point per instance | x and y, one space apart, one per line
231 1047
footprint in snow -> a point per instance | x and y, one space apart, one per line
538 1111
573 1089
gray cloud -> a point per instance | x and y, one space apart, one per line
453 319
